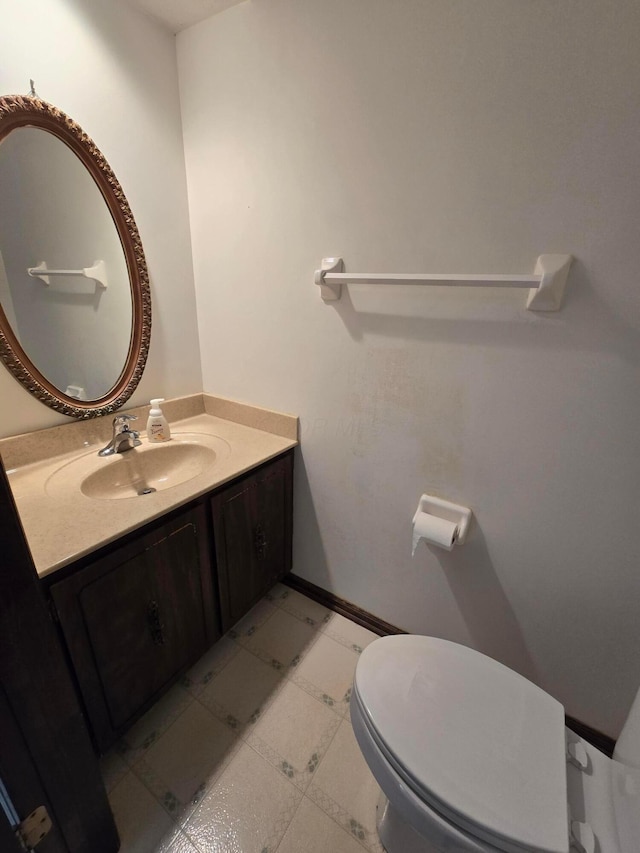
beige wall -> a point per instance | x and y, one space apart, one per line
114 72
438 136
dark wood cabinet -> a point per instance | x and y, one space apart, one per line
252 530
138 617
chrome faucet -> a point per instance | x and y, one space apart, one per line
123 438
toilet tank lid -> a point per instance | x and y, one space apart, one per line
476 741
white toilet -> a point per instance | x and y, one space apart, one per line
473 758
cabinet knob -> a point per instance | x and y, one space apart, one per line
260 542
156 628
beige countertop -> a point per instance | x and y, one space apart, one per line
62 524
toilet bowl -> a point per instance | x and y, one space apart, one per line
473 758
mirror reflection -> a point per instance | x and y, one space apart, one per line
75 329
75 304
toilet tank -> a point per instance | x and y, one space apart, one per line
627 749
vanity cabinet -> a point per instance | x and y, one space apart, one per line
140 614
252 531
136 618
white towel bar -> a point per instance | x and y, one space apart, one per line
546 285
98 272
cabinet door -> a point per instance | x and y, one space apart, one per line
144 620
134 620
252 530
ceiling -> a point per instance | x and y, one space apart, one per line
177 15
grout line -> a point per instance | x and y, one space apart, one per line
302 798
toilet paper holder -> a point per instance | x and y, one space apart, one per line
455 513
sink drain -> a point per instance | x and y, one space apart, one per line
149 490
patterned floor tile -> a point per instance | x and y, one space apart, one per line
187 759
240 692
254 751
178 842
304 608
154 723
278 593
248 809
113 769
209 665
256 617
347 633
142 824
327 673
294 734
345 789
313 831
281 641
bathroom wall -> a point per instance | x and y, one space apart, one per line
114 72
438 136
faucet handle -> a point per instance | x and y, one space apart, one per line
123 421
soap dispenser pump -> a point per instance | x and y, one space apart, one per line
157 426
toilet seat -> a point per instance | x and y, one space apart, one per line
476 742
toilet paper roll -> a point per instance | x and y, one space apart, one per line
434 530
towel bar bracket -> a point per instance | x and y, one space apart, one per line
553 271
330 292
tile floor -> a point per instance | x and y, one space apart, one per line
253 751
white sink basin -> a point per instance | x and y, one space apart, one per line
141 471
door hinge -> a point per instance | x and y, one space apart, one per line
34 828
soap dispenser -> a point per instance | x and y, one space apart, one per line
157 426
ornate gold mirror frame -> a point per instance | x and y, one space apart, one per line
19 111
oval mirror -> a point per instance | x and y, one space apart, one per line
75 307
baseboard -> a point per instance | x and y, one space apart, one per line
342 606
361 617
